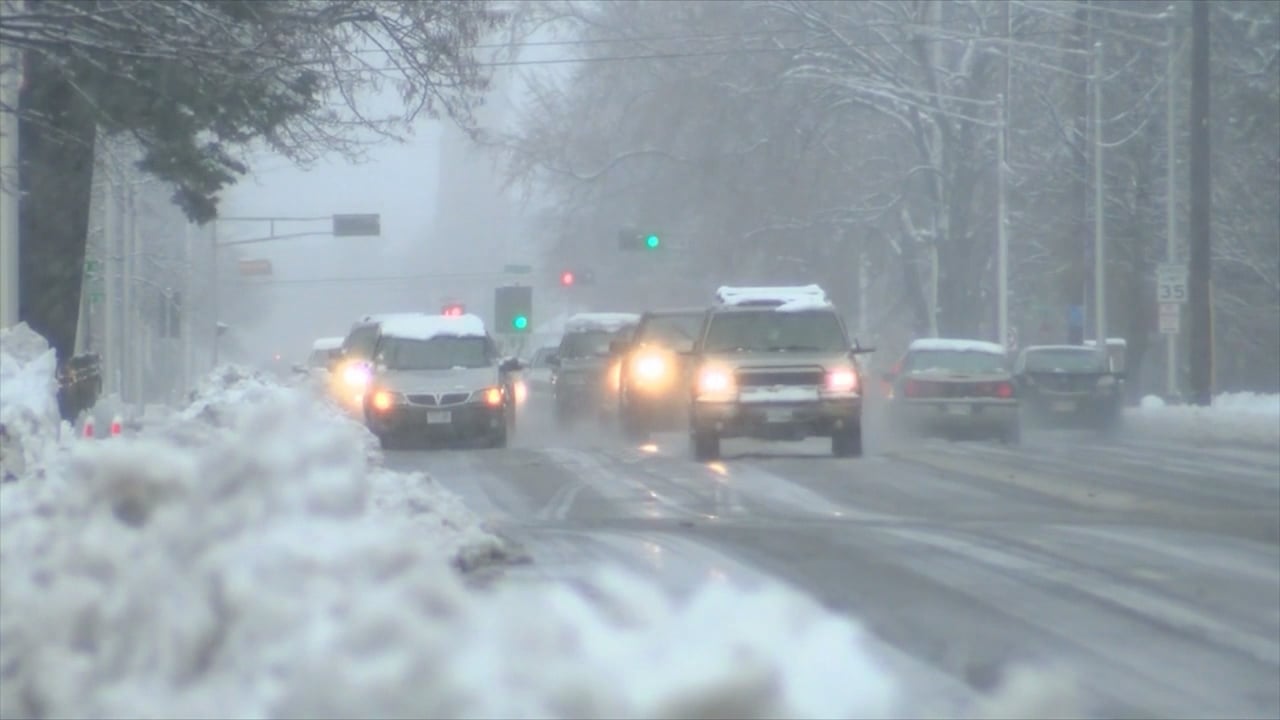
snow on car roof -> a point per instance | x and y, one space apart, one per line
797 297
425 327
327 343
930 344
601 321
1061 348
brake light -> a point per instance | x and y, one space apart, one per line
382 401
493 397
1004 390
842 381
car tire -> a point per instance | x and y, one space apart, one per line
633 425
563 416
706 445
498 439
1012 435
847 442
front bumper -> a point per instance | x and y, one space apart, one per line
777 420
447 422
956 416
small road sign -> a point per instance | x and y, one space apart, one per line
1170 318
366 225
255 267
1171 283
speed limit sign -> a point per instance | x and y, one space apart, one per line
1171 283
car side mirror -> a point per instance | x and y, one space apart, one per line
511 365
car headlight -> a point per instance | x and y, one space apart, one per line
356 375
842 380
384 400
651 369
491 396
715 382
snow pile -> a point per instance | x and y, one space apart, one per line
29 418
1249 418
252 559
601 321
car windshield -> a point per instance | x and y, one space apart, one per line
674 331
1065 361
590 343
438 353
959 361
772 331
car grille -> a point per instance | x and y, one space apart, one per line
770 377
1063 382
436 400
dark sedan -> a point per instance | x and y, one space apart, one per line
1069 385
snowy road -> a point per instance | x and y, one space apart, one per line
1151 570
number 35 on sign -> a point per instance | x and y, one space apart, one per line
1171 283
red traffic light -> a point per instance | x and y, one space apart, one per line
453 310
566 278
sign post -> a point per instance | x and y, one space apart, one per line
1170 318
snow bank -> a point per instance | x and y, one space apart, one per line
29 418
1249 418
252 559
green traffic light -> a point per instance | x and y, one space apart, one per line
520 322
652 241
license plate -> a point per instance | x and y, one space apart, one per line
778 416
957 409
439 417
1064 406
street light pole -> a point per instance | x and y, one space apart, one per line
10 189
1170 214
1099 209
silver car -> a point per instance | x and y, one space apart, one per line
440 378
955 388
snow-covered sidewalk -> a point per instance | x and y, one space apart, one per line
1234 418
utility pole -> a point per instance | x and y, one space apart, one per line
10 87
1170 195
1199 272
1099 208
1077 284
1002 199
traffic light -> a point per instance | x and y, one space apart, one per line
639 240
453 310
512 309
566 278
